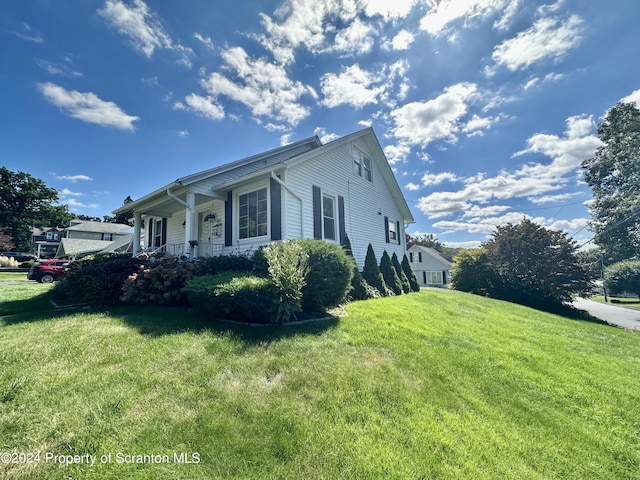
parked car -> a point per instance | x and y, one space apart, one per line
20 257
48 271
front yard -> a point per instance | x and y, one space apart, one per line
437 384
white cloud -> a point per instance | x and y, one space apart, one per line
285 139
73 179
632 97
206 41
531 180
87 107
420 123
412 187
68 193
484 225
437 178
387 9
55 68
568 226
354 87
552 198
261 86
183 133
445 12
143 28
356 39
72 202
477 124
325 137
29 34
548 38
397 153
403 40
476 212
204 106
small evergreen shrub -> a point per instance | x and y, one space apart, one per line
404 281
288 267
408 271
371 272
96 280
223 263
232 295
389 274
159 282
359 288
329 277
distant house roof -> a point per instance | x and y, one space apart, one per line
121 244
97 227
433 253
77 247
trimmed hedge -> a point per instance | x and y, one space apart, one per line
234 295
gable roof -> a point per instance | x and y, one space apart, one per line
97 227
431 252
224 176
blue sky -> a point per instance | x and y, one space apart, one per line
485 108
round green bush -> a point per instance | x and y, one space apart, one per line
329 278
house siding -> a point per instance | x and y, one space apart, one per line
366 204
429 263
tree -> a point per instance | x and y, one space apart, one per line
389 274
623 277
358 285
404 281
124 218
27 202
411 275
426 240
614 177
371 272
5 242
524 263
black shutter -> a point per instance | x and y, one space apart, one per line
444 277
150 241
386 229
398 230
341 224
276 209
163 239
228 221
317 212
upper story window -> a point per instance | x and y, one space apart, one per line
362 165
56 236
107 236
49 235
328 217
252 214
393 234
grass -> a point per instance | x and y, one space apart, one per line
12 276
436 384
632 303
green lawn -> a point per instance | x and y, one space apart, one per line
633 303
437 384
11 276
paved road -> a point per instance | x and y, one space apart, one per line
619 316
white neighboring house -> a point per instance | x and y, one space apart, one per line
431 268
301 190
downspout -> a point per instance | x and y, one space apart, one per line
286 187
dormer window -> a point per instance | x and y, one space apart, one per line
362 165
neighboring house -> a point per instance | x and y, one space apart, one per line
302 190
84 237
431 268
46 241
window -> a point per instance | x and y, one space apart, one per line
106 236
362 165
434 278
420 257
393 235
56 236
49 235
328 217
252 215
158 234
411 257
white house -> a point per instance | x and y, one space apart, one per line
431 268
301 190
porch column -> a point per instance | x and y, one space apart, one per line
137 227
190 223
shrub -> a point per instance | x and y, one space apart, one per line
288 267
411 275
329 277
223 263
8 262
470 271
232 295
161 282
389 274
96 280
371 272
359 288
623 277
404 281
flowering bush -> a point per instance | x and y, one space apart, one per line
160 282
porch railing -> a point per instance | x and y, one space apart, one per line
177 250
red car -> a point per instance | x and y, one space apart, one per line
48 271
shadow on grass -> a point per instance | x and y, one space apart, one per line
157 321
34 303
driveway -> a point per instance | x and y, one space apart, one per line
619 316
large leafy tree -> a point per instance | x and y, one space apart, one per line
614 177
623 277
27 202
524 263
